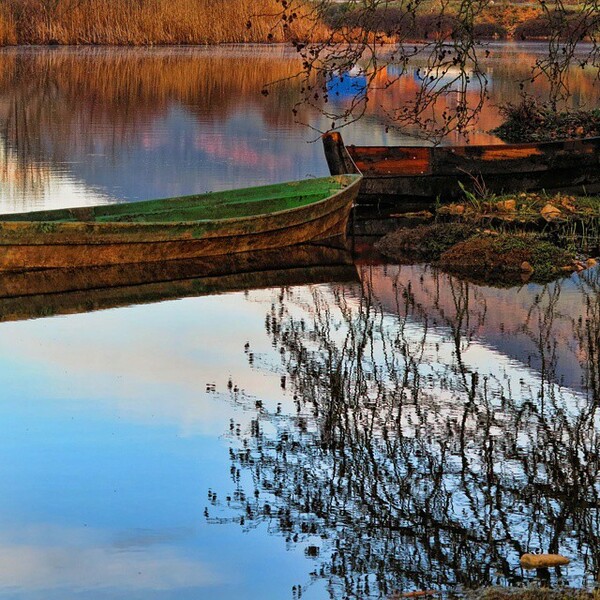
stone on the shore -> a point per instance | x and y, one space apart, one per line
506 205
543 561
550 212
526 267
452 209
568 203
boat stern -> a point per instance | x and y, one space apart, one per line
338 159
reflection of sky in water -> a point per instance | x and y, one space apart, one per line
109 445
51 184
504 319
434 423
110 440
87 125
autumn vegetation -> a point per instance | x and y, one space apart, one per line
503 20
141 22
169 22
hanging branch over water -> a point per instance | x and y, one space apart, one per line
419 66
369 55
573 41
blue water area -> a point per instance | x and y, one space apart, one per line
110 446
347 85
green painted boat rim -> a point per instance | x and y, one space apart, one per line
344 181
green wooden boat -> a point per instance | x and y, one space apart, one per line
214 224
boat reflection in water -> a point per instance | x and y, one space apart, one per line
47 292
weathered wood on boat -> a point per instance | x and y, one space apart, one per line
48 292
404 173
179 228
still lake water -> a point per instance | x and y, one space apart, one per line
391 429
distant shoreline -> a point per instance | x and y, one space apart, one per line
199 23
265 44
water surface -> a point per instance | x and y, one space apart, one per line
391 429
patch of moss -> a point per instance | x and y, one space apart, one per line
532 121
426 242
505 255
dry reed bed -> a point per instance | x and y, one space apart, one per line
143 22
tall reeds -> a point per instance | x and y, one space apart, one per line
142 22
8 29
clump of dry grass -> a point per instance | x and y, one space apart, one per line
145 22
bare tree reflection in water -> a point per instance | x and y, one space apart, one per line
587 330
403 467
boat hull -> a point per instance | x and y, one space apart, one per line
400 173
35 245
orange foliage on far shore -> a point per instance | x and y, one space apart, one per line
510 16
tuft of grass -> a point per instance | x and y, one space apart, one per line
426 242
533 121
503 255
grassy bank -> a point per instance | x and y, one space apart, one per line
142 22
504 239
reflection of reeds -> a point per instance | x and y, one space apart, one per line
141 22
52 103
114 83
20 178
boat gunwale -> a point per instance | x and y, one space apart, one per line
354 178
552 147
486 146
